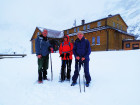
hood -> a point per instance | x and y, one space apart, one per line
67 37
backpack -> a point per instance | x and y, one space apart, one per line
66 44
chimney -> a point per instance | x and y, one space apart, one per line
83 22
109 15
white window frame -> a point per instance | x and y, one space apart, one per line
113 24
77 29
67 31
38 33
99 24
118 26
92 41
84 27
98 38
88 26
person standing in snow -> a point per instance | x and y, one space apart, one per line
65 52
43 48
81 51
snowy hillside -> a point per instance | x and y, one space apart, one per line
115 81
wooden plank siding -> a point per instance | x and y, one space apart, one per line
111 34
36 32
110 39
117 20
131 42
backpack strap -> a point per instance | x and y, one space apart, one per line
63 45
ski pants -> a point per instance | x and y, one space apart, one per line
77 70
63 69
43 64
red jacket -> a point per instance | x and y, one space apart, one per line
66 48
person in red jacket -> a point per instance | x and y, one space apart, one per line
65 52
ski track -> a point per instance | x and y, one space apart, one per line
113 81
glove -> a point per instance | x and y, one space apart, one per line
62 55
67 55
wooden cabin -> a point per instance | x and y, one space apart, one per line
131 44
52 35
104 34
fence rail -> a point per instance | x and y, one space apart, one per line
2 56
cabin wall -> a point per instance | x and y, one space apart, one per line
131 43
117 20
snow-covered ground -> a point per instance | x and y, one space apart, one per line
115 81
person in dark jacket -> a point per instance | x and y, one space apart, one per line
43 48
81 51
65 52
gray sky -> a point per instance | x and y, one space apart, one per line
18 18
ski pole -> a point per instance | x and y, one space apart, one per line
79 75
84 77
68 67
51 67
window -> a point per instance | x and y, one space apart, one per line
98 40
84 27
113 24
88 26
99 24
77 29
128 45
67 31
38 33
74 29
93 40
117 19
118 26
121 27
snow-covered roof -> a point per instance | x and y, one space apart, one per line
103 28
52 33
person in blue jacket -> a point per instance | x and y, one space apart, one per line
81 51
43 48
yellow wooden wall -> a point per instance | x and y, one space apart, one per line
118 20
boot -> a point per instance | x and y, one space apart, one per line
40 77
62 74
68 74
73 83
44 75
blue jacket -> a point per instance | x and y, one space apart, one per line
42 46
82 48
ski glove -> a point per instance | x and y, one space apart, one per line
67 55
62 55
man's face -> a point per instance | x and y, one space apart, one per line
80 35
44 33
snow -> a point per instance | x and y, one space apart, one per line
53 33
115 81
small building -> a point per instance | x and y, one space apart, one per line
104 34
131 44
52 35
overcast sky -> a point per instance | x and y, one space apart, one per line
18 18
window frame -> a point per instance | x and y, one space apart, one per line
114 24
98 38
99 24
88 26
92 41
77 29
67 31
127 44
74 30
84 27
